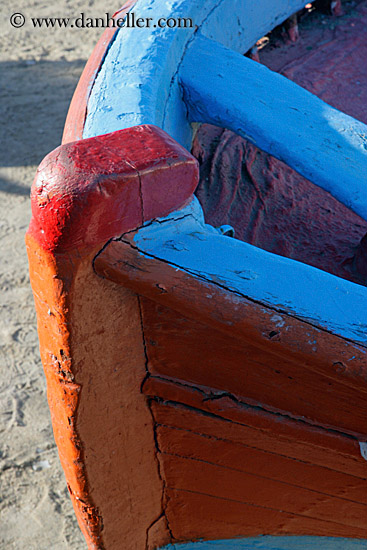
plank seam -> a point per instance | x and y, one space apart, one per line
247 446
244 404
207 280
195 459
262 507
157 450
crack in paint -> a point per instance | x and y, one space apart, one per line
206 278
175 74
157 450
212 396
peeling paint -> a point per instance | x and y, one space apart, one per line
144 86
289 287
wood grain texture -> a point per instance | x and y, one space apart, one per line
255 427
189 442
265 479
322 300
199 515
255 431
248 350
235 315
225 459
186 350
204 456
96 362
90 330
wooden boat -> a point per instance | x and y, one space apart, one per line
204 393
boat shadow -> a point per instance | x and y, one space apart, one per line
35 100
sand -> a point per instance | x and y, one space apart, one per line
39 71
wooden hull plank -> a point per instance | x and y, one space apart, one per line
256 429
194 515
196 468
266 356
191 444
197 354
319 298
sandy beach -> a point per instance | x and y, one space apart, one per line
39 71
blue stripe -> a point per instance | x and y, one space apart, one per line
275 543
138 82
322 299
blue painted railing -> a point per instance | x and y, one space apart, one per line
138 82
325 301
172 77
323 144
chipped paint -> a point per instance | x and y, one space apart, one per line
138 81
324 300
278 320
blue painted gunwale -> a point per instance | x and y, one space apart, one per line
138 82
323 144
288 286
141 78
275 543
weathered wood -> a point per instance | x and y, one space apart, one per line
205 516
201 475
171 264
67 210
84 194
184 349
221 417
236 316
74 124
318 298
98 390
240 468
189 442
